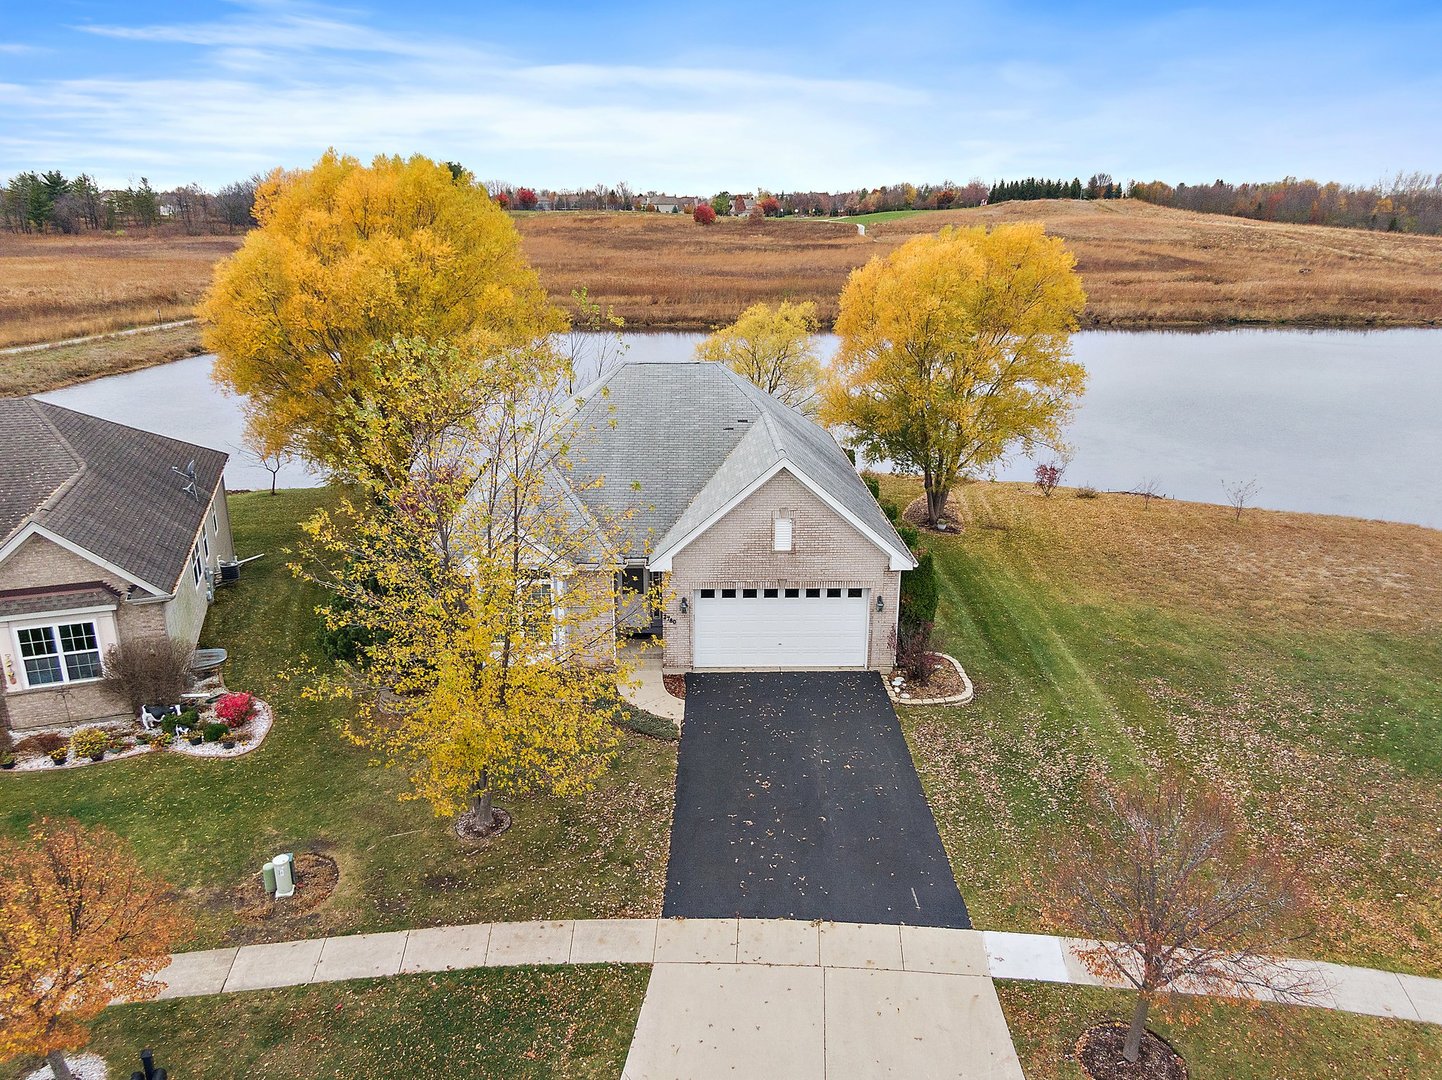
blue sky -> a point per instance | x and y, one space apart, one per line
694 99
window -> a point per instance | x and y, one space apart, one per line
833 593
781 534
728 594
748 594
812 594
853 593
792 594
537 607
69 652
770 594
708 594
197 569
633 579
214 523
205 542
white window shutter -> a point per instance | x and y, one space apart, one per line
781 534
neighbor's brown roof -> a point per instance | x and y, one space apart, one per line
105 487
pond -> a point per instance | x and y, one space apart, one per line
1331 422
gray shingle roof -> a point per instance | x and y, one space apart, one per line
62 597
116 496
674 442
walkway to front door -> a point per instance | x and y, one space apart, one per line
796 798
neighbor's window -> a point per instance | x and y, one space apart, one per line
197 569
69 652
781 534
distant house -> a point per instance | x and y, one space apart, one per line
108 534
741 205
666 206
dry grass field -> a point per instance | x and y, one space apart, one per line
1143 266
54 287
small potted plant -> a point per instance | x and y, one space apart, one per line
91 742
60 755
7 761
195 737
164 739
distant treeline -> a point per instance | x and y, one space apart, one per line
1409 202
52 202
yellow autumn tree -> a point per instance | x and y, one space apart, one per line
346 256
774 347
475 589
80 925
955 349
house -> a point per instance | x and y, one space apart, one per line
107 535
741 205
748 518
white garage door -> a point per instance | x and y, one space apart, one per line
781 628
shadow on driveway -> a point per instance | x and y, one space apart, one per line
796 798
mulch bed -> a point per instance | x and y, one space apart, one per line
316 877
1099 1051
467 829
944 681
675 685
915 514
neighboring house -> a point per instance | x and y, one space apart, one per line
107 534
741 205
752 521
667 206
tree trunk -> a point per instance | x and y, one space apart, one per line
59 1067
935 505
482 812
1133 1047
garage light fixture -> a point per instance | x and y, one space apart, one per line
685 607
880 602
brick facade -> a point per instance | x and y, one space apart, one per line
827 551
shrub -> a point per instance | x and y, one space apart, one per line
873 485
152 671
1086 491
47 742
90 741
235 709
1047 478
704 214
913 650
215 731
920 593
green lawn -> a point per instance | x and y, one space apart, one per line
1294 659
206 825
513 1022
862 219
1223 1042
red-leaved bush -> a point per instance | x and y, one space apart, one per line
704 214
235 709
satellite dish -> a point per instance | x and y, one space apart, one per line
188 474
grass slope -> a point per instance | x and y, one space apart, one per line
206 825
1294 660
526 1023
1224 1042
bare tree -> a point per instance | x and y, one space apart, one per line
261 451
1149 489
1239 494
1161 877
594 344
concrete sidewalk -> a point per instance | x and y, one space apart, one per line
745 942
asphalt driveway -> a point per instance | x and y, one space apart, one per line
796 798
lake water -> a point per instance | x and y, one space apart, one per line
1332 422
